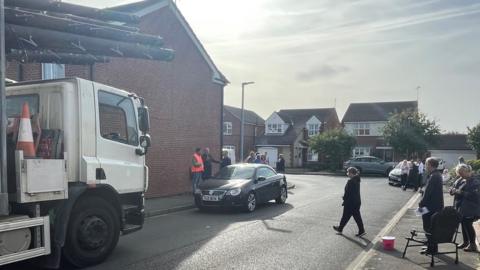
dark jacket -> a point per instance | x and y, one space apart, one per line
457 198
470 198
413 174
433 195
225 162
207 165
280 165
351 198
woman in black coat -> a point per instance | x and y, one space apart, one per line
351 203
468 203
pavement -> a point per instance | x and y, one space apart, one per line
378 258
170 204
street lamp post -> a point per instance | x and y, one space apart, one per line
242 118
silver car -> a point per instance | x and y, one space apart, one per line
369 164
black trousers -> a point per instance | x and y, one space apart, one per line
348 212
467 230
427 224
404 178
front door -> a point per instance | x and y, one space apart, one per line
117 140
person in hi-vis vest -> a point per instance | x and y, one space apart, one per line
197 169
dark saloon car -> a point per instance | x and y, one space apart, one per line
242 186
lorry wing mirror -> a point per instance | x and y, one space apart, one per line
143 119
145 143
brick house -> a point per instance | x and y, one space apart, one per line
287 132
366 120
254 125
176 92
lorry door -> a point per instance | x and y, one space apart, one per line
117 140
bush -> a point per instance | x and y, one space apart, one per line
475 164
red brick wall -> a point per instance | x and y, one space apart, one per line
185 105
234 139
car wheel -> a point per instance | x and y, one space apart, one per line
251 203
283 195
93 232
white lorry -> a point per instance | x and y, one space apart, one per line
86 184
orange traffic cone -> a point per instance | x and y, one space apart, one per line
25 137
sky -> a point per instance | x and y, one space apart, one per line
326 53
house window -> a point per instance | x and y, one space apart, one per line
361 129
52 71
229 147
313 129
312 155
227 128
274 128
361 151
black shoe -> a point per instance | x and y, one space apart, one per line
337 229
360 234
464 245
428 252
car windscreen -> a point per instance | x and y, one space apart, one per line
235 172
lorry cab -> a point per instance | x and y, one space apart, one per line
88 177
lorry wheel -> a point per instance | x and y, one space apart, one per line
93 232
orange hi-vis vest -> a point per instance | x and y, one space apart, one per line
198 159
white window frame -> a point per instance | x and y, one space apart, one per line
227 128
52 71
361 151
229 147
361 129
274 128
313 129
311 155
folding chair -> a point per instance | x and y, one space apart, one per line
443 231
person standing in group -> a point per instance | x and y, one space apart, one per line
225 160
432 200
404 176
251 158
207 163
467 202
421 170
351 203
280 166
267 160
413 175
258 159
196 169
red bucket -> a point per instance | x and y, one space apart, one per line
388 242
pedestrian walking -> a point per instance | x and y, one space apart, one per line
225 160
351 203
413 175
280 166
404 176
467 202
196 169
432 200
207 163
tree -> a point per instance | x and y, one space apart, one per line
334 145
473 138
410 132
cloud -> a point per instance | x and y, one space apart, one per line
322 71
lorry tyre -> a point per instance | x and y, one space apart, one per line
93 232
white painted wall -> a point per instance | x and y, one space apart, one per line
375 128
451 156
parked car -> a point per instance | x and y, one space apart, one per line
242 186
394 177
369 164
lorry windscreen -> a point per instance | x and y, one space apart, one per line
15 105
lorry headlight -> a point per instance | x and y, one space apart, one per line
235 192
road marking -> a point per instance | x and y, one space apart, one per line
365 255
